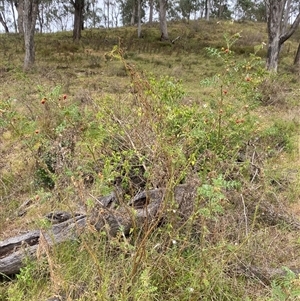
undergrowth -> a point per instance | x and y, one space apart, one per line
152 137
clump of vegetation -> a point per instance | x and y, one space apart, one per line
141 131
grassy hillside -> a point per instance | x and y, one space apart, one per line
119 113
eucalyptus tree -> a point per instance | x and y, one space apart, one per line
245 9
3 22
163 5
47 9
187 7
220 9
128 11
7 15
78 6
207 9
19 4
277 32
12 10
93 14
151 10
29 20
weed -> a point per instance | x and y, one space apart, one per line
287 288
124 128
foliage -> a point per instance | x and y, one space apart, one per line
287 288
170 119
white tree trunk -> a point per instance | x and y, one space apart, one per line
29 20
163 19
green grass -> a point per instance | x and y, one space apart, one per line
93 116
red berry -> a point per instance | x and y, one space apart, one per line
65 96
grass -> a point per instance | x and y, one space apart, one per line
95 116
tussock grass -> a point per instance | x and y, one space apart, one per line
117 112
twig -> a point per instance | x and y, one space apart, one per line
245 215
173 41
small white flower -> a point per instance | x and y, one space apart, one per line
191 290
174 242
174 211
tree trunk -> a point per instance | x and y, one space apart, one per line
297 57
151 6
274 32
20 9
78 18
132 19
207 9
275 13
29 20
108 4
3 22
163 19
41 17
14 16
139 19
286 15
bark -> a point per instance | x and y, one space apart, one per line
29 20
274 33
3 22
14 251
277 36
14 15
163 19
285 36
139 19
20 9
151 7
286 15
107 5
41 18
132 19
297 57
207 9
78 18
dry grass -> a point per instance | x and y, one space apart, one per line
109 111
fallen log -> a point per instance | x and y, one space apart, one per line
265 275
113 215
109 213
15 250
